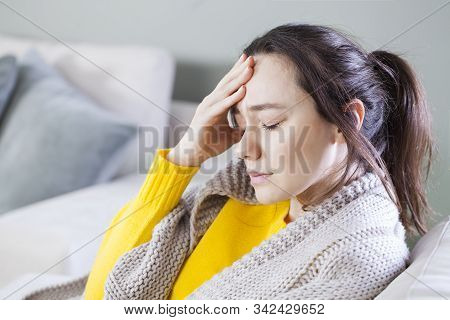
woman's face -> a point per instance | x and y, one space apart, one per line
289 141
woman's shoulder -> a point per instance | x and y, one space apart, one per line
374 253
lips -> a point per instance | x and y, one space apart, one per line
256 174
258 177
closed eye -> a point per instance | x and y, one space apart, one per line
271 127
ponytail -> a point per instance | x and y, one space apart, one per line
409 144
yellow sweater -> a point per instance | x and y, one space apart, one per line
235 231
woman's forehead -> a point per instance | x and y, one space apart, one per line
270 84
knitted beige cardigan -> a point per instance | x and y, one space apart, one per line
350 246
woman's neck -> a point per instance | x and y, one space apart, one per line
295 210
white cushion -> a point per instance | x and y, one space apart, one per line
120 78
428 275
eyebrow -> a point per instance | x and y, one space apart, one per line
264 106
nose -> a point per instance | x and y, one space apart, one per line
249 147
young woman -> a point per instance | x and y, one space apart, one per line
334 148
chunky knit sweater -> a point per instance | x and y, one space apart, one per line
350 246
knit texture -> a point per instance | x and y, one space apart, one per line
350 246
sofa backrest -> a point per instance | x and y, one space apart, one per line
428 275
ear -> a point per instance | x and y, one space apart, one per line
356 107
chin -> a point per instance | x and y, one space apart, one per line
268 194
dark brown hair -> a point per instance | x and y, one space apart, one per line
395 139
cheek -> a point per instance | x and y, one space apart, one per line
304 150
317 149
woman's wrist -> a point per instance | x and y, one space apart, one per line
188 158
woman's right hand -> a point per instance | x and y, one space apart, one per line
209 133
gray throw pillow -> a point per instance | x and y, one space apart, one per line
8 79
54 139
